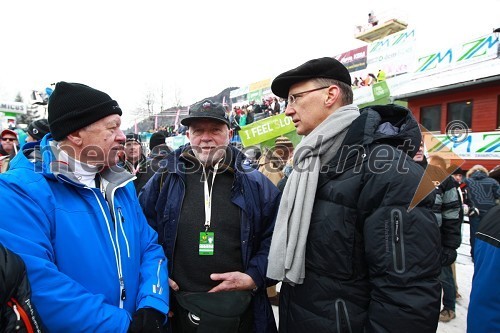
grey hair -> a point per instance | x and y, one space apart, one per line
345 89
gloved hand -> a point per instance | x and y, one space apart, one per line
147 320
448 256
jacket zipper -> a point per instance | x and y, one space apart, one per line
116 246
177 224
21 315
158 289
343 320
398 243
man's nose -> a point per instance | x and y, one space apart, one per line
121 136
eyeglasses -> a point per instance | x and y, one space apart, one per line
9 139
293 98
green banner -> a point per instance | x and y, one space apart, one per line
266 129
255 96
380 90
176 141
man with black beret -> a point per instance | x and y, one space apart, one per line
217 215
351 253
93 261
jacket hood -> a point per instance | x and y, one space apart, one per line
390 124
478 174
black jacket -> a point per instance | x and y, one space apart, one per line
16 309
142 174
371 265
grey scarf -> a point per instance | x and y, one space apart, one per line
288 246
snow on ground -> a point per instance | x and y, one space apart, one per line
465 270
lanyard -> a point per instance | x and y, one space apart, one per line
208 196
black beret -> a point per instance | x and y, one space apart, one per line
206 110
327 68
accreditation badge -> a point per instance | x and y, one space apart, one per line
206 247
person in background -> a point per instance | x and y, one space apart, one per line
135 161
271 163
483 314
448 210
93 261
468 208
243 117
159 150
205 191
37 130
372 19
351 254
380 76
8 149
484 192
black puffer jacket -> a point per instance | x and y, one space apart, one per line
371 265
17 313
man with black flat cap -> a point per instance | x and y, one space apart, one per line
351 254
215 218
72 215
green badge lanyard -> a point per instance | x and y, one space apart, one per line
206 245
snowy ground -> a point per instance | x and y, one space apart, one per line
465 270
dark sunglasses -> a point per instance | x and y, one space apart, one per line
8 139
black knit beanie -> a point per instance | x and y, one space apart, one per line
38 128
73 106
158 138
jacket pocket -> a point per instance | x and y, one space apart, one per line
398 249
343 322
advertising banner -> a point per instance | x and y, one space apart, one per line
481 146
470 52
353 60
265 129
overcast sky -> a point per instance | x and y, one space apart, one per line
194 49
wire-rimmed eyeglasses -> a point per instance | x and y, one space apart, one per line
293 97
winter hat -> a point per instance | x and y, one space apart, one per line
133 137
158 138
38 128
328 68
73 106
283 141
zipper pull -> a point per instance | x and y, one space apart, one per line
396 229
18 317
123 294
122 218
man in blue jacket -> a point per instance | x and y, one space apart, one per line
73 217
204 190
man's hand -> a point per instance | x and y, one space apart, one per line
232 281
173 284
174 287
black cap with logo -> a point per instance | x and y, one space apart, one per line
206 109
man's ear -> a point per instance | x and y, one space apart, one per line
76 137
333 95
